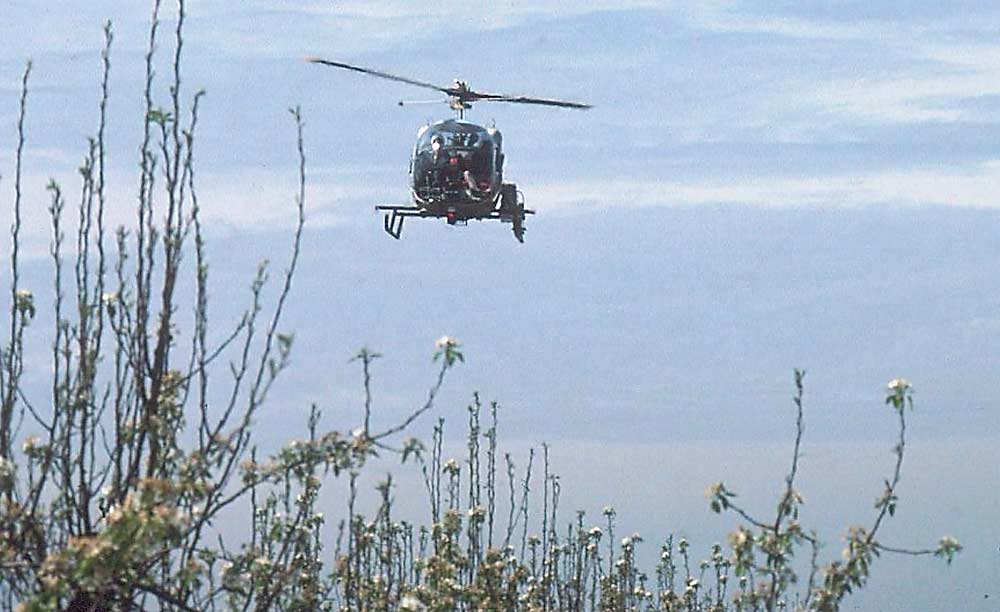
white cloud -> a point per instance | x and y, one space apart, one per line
722 21
975 187
969 55
259 199
901 27
359 26
35 28
482 11
898 99
243 199
906 70
914 96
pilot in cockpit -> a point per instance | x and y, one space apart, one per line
436 144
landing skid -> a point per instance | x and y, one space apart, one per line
511 211
394 216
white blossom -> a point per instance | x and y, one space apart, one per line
446 341
898 385
30 444
7 470
24 301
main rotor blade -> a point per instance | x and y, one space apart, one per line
412 102
384 75
526 100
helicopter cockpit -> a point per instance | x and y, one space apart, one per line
452 158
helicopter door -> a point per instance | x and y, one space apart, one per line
482 165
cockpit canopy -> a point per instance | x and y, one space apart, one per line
447 149
452 133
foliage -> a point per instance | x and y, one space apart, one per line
147 444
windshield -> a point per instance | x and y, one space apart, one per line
460 147
452 134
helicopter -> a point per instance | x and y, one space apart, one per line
456 170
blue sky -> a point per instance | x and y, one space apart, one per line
726 102
760 186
